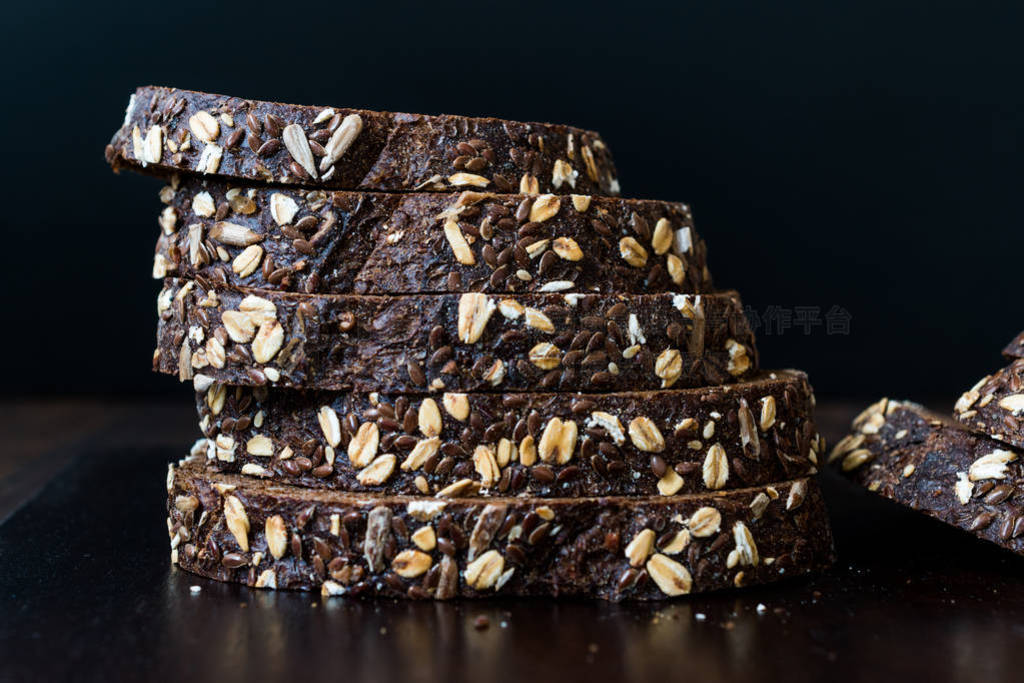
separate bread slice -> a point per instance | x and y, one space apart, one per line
634 443
287 239
238 529
932 465
995 405
451 342
167 130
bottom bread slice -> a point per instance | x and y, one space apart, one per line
933 465
234 528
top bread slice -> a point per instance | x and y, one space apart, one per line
166 130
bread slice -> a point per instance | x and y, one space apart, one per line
166 130
995 405
234 528
546 445
288 239
933 465
468 342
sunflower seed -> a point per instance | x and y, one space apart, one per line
797 493
277 536
378 471
457 241
153 145
676 269
991 466
749 440
588 162
202 205
475 310
429 418
767 413
260 446
682 242
362 449
330 425
581 202
964 488
295 142
510 308
1013 403
677 543
456 405
423 451
425 538
527 451
670 483
282 208
234 235
378 533
237 521
856 458
341 140
538 320
462 179
496 373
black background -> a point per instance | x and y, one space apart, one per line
860 154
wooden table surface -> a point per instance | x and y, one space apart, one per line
87 592
41 435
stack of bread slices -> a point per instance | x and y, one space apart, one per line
437 356
966 471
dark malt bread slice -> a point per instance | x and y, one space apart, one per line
931 464
523 342
168 130
995 405
372 243
565 445
234 528
1015 349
